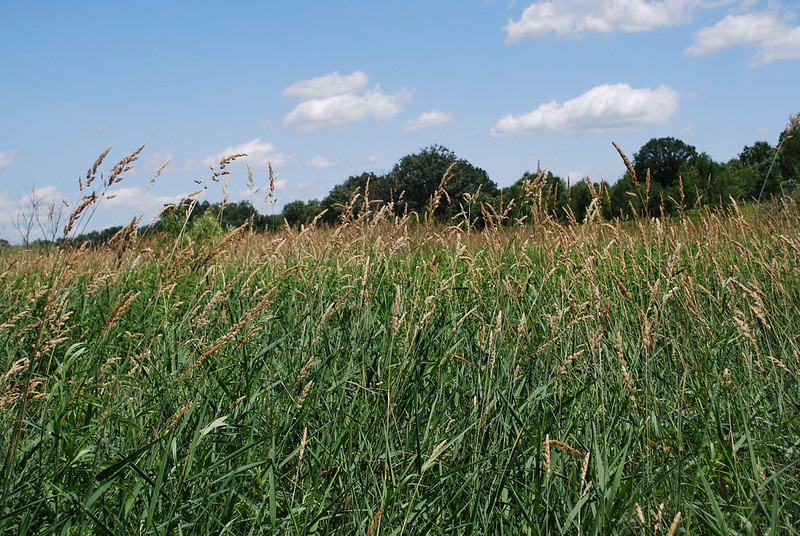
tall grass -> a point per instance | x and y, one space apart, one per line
384 377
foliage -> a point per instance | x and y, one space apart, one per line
299 212
418 177
206 227
343 199
788 161
664 158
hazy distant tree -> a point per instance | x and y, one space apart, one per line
27 214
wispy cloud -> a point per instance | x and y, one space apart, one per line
774 35
328 85
334 100
321 161
429 119
7 158
608 107
580 17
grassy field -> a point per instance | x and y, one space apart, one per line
390 378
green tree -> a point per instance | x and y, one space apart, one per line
788 162
534 192
415 179
337 202
206 227
665 158
301 212
579 197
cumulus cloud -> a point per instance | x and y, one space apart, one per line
429 119
328 85
775 37
579 17
7 158
340 110
334 100
321 161
608 107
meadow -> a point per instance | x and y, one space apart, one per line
387 376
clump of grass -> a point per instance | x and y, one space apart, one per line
385 377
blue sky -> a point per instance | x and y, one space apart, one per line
328 89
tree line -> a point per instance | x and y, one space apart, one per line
666 176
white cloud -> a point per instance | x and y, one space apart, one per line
604 108
7 158
429 119
339 110
578 17
259 154
328 85
774 36
334 100
321 161
136 200
578 175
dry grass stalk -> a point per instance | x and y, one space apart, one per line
303 441
374 524
585 469
396 317
640 514
628 165
740 319
441 191
624 368
271 190
547 453
236 328
304 371
122 305
157 174
569 360
778 363
560 445
181 412
304 394
220 247
674 526
659 517
123 166
726 377
92 173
